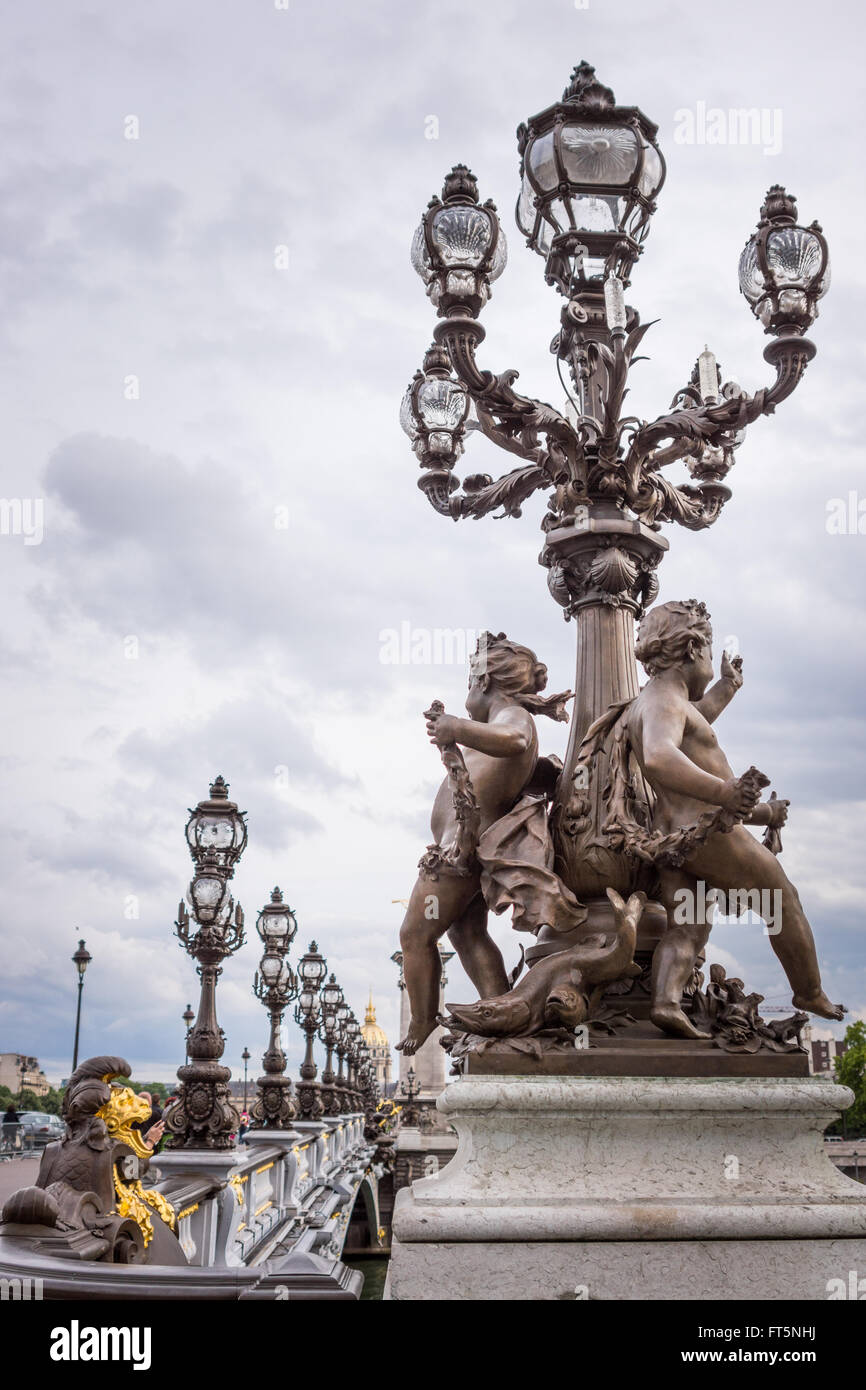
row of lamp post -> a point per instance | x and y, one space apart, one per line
211 928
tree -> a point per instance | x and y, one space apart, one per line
51 1102
851 1071
28 1100
157 1089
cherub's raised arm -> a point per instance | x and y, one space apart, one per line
720 695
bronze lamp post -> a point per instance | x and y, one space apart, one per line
276 986
590 173
81 959
332 998
312 969
202 1115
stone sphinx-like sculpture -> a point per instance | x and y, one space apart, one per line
89 1202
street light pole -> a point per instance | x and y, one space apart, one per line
189 1018
246 1056
82 959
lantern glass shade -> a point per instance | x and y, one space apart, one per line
210 901
591 181
462 236
441 403
270 966
332 995
312 968
306 1000
212 832
276 927
795 257
419 255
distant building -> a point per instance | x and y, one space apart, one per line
19 1073
379 1047
823 1053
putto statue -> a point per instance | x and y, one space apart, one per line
673 809
693 832
493 850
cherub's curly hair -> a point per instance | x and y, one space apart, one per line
672 633
517 672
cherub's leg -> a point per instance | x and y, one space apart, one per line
434 905
479 955
739 862
675 955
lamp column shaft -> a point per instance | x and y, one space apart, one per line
77 1022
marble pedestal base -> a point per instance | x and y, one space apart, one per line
632 1188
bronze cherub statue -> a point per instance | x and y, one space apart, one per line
694 832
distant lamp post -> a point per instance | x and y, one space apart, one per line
341 1046
202 1116
189 1018
411 1092
312 969
353 1029
82 959
332 998
276 986
246 1054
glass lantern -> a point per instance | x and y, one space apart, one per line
784 268
433 411
590 173
216 826
209 896
459 247
276 924
312 968
271 967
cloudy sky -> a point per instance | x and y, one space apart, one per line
207 320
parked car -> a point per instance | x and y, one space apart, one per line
39 1128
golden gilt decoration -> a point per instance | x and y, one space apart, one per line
236 1183
119 1113
130 1202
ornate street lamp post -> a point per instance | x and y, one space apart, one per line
82 959
353 1030
332 998
411 1090
590 173
202 1115
245 1055
276 986
342 1046
188 1016
312 969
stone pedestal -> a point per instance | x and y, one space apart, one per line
632 1188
